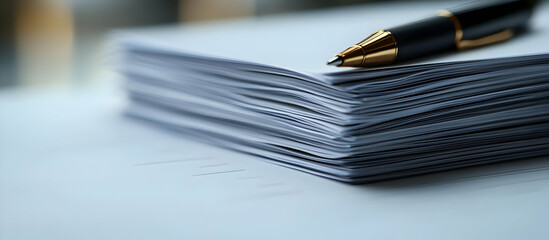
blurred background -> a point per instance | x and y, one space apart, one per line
61 42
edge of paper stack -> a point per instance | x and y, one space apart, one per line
353 126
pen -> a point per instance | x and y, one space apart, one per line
471 25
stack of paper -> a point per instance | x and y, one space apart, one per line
353 125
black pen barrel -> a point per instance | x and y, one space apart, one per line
474 20
428 36
486 17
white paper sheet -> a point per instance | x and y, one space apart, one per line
281 39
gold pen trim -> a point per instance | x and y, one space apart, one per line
455 21
466 44
380 48
496 37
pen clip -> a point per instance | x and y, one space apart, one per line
496 37
467 44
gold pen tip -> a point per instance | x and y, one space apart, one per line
335 61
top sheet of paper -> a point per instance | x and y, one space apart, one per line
327 32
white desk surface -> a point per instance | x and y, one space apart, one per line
72 167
